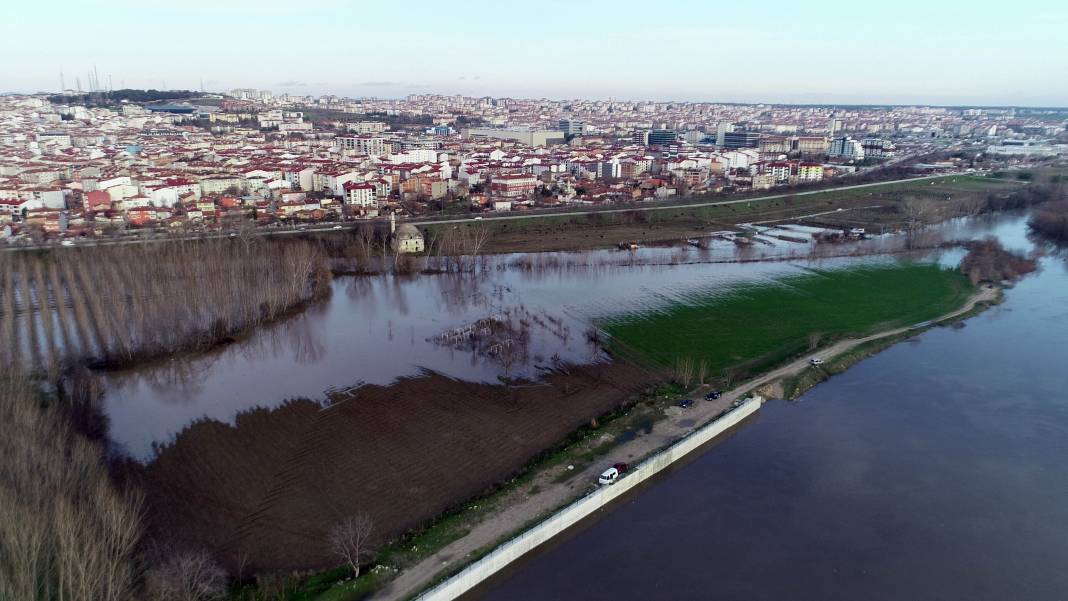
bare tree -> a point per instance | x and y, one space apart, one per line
65 532
917 213
349 539
186 576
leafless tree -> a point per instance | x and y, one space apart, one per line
186 576
917 213
349 539
65 532
121 303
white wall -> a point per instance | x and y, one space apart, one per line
512 550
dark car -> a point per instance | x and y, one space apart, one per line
621 467
685 403
715 394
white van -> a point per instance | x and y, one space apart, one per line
609 476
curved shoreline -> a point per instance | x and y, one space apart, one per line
490 533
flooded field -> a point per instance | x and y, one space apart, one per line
401 396
375 329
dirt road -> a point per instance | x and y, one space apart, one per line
524 507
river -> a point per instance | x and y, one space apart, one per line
934 470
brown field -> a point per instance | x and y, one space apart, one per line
262 495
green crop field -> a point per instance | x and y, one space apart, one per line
749 328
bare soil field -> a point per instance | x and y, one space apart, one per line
262 494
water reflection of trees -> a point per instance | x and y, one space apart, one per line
181 380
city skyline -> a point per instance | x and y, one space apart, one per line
833 53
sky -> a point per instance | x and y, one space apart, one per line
903 52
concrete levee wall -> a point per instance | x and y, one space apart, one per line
515 548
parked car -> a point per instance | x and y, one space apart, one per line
715 394
610 475
337 227
686 403
816 361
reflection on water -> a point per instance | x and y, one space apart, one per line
934 470
375 329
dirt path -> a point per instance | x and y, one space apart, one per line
522 508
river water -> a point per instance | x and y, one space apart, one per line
934 470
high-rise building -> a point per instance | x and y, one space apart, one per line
722 130
572 127
662 137
741 139
847 148
810 146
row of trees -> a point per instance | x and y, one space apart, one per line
68 534
65 532
130 95
119 303
1051 220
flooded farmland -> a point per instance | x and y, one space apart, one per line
375 329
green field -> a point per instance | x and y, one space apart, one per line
750 328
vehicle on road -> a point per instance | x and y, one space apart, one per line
336 227
67 243
478 219
686 403
816 361
610 475
715 394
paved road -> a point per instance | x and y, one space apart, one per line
520 507
505 217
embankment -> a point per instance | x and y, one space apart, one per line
515 548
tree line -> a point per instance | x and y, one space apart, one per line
114 305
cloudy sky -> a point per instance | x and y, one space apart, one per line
934 51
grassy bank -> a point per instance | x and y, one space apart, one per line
794 386
725 335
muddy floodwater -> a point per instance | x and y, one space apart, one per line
533 309
934 470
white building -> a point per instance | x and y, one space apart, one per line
362 145
847 148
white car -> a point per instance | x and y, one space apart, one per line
337 227
67 243
478 219
816 361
